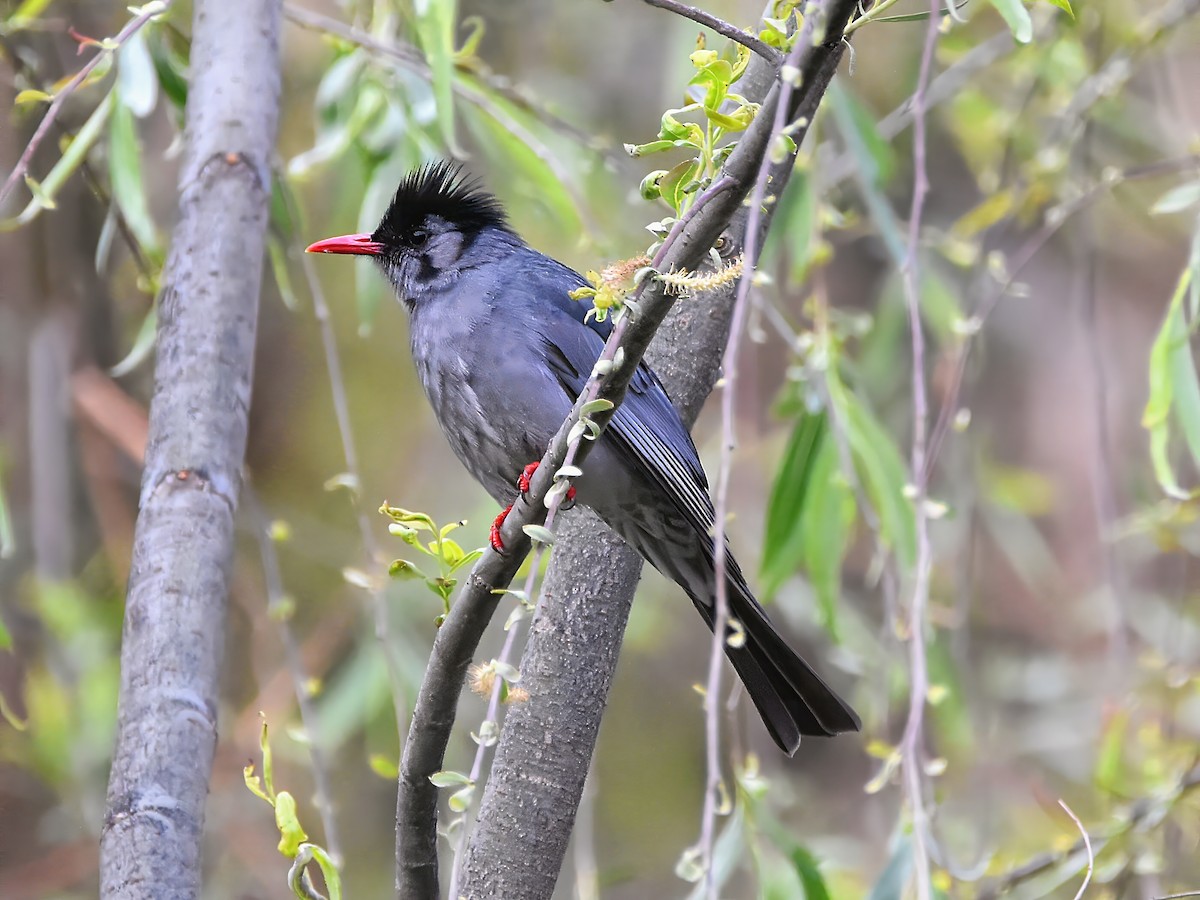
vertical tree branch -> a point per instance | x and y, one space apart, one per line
912 743
752 245
183 544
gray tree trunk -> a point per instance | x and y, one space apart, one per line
183 545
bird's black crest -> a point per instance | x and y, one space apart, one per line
441 189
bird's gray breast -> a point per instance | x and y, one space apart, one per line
464 376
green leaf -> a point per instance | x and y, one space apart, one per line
32 96
467 559
533 167
329 871
125 170
826 523
1174 388
460 801
1177 199
873 162
264 745
539 533
600 404
402 569
143 344
1111 751
291 835
283 276
137 84
8 544
447 778
1017 17
1064 5
881 470
880 151
810 874
369 289
894 879
672 186
796 225
169 66
27 12
784 537
435 34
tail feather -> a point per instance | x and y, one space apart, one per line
812 705
792 699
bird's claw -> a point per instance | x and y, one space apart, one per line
524 480
494 535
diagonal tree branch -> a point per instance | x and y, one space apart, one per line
183 545
458 637
721 27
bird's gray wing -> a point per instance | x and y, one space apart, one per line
645 430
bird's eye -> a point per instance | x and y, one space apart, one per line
418 236
721 243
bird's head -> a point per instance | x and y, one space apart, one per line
431 232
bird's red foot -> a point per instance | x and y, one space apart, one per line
526 477
523 482
494 534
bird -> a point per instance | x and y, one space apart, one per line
502 352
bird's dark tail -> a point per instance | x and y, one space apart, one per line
792 699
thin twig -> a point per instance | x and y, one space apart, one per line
912 746
1087 844
1103 480
276 606
1154 809
150 11
721 27
750 250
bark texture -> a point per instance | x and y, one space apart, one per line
183 545
528 807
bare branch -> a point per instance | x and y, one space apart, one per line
716 659
721 27
1087 844
912 744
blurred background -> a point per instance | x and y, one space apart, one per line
1064 648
